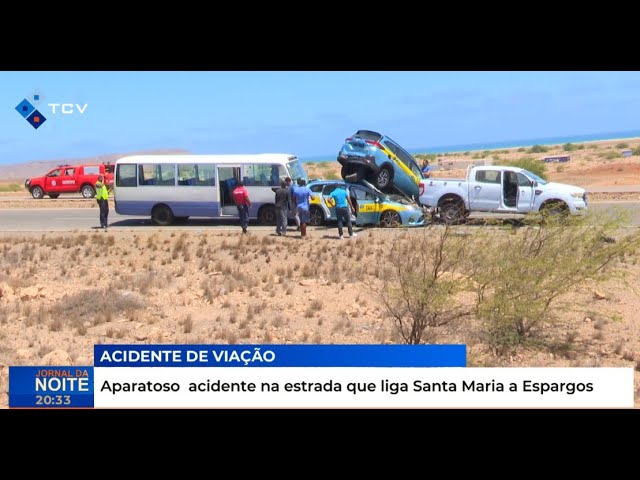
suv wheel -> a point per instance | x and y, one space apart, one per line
383 178
88 191
37 192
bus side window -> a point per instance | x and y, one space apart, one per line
206 175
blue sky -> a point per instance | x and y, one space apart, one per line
305 113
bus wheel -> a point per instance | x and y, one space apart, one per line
162 215
267 215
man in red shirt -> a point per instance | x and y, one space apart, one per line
241 199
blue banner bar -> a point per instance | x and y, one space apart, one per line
51 387
280 355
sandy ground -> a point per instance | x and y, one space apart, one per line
61 294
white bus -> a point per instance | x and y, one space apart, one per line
176 187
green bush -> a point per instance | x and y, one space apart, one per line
612 155
537 267
515 282
522 149
636 151
12 187
533 165
569 147
421 276
580 146
538 149
622 145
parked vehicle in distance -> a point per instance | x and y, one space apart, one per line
499 189
381 161
373 206
70 179
176 187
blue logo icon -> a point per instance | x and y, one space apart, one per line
31 113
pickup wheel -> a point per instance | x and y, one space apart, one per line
390 219
554 210
37 192
87 191
452 212
54 195
162 215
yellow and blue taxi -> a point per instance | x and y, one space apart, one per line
373 207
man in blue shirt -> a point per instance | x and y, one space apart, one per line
344 207
302 195
426 169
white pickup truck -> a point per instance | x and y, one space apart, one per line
500 190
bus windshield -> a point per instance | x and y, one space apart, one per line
296 170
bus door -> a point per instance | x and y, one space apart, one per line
227 180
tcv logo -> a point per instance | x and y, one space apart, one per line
27 108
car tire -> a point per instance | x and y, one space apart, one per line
88 191
390 219
162 215
54 195
37 193
316 217
267 215
352 174
452 212
383 178
554 211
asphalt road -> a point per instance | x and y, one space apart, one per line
70 219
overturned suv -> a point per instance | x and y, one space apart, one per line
374 157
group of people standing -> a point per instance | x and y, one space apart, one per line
291 202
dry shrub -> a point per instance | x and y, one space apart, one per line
95 306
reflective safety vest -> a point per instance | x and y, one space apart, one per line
102 192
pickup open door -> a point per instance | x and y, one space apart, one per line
485 190
526 195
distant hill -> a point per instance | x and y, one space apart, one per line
19 172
